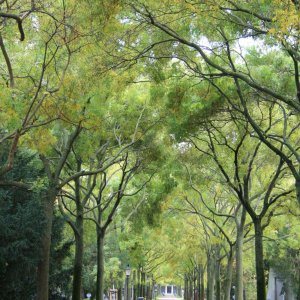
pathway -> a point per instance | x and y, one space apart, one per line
168 297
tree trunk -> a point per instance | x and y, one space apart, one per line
120 292
146 285
143 284
210 277
139 289
239 287
259 261
202 284
228 279
191 294
297 185
199 282
239 266
218 280
149 290
185 287
43 265
77 271
298 291
195 284
134 286
100 265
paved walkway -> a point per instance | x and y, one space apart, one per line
168 297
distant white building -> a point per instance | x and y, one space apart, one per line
168 290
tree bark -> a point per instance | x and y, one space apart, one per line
195 284
43 265
120 292
77 268
185 287
143 281
100 265
239 257
239 267
139 290
228 279
134 286
149 290
259 261
218 281
297 185
298 291
191 291
8 64
210 277
199 282
202 284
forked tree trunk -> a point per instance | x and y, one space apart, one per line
43 265
259 261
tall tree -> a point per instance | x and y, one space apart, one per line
256 194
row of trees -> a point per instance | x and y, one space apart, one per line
246 125
113 107
252 139
75 126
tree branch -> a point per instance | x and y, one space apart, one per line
19 22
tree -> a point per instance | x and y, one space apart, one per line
209 51
22 216
100 207
22 223
60 271
114 151
222 219
256 194
48 46
103 95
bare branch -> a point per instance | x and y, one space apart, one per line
18 20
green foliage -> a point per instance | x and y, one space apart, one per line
130 82
283 250
22 223
22 227
60 263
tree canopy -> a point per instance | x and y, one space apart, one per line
163 135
